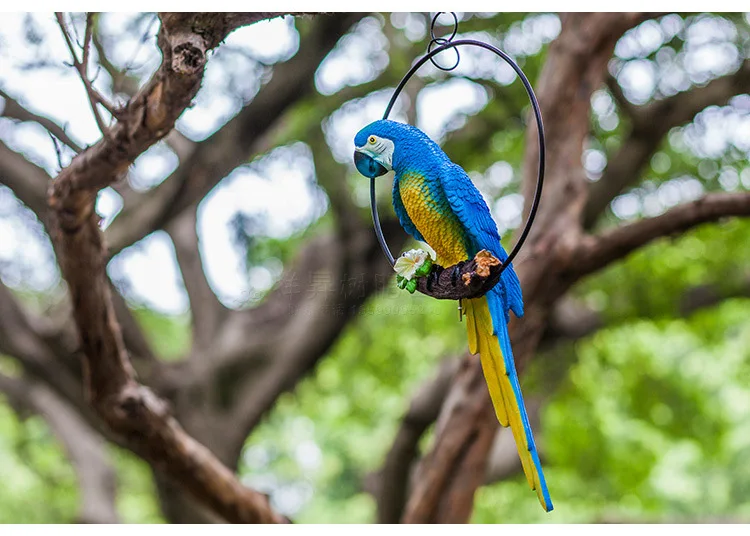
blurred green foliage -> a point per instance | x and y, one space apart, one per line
39 484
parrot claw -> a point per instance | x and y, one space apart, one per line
434 274
456 272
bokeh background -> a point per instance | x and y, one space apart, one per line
640 390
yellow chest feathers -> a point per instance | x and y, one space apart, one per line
432 216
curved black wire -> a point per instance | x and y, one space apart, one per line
540 129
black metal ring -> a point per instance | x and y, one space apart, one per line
540 129
443 41
440 42
434 20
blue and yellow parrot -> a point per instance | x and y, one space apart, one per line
437 203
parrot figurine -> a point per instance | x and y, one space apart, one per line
437 203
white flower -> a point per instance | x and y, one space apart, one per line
411 261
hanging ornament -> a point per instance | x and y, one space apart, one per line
436 202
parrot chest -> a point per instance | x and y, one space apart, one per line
431 214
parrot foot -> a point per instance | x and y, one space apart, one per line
456 272
434 275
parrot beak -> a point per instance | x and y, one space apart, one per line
367 165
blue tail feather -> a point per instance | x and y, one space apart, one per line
499 320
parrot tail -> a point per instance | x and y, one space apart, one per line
502 382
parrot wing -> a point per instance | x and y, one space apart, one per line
472 211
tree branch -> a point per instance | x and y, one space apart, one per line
229 147
317 297
597 252
29 183
571 320
205 308
14 110
432 497
130 409
86 449
393 478
646 134
82 66
20 339
391 483
27 180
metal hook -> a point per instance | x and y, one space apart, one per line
440 41
434 21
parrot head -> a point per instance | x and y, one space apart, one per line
377 147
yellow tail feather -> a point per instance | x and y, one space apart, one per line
482 340
478 342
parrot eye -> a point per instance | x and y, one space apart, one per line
372 140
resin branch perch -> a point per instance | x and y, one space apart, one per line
470 279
